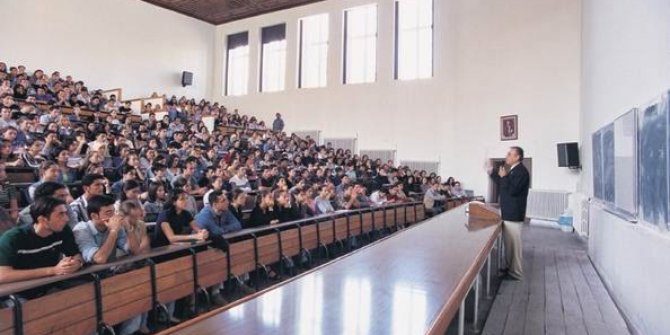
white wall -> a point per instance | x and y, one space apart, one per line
492 58
517 57
626 63
109 44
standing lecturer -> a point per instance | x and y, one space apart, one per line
513 183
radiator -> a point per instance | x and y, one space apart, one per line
429 167
314 134
342 143
384 155
546 205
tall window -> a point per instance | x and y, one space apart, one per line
237 67
360 44
414 39
313 51
273 58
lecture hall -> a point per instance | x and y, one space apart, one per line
327 167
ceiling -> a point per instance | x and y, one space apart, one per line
223 11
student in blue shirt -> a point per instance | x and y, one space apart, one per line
101 236
216 218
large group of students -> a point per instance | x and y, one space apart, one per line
103 180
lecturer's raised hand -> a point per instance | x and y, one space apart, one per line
502 172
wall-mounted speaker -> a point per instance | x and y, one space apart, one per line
568 155
186 78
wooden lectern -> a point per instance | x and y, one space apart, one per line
481 215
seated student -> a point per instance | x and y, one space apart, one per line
457 190
398 193
264 213
362 197
348 199
49 171
378 197
45 248
189 174
131 191
237 203
155 199
101 236
185 185
322 202
216 218
239 180
135 230
50 189
134 215
267 181
158 173
433 200
68 175
32 157
286 209
129 173
217 185
93 184
305 202
7 156
175 223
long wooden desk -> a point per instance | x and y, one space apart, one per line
413 282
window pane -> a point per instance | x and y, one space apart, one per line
273 71
314 51
414 50
361 48
238 70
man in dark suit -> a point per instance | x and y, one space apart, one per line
513 182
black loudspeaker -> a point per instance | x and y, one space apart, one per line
186 78
568 155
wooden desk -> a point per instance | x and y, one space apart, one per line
410 283
10 288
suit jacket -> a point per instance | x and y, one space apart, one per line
513 190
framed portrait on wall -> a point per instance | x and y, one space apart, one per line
509 128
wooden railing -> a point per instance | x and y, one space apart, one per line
86 114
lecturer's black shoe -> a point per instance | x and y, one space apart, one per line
510 277
503 273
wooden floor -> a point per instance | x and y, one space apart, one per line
560 294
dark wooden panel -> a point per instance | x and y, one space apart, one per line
367 222
6 321
242 259
341 229
268 249
290 242
309 237
212 267
222 11
59 312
